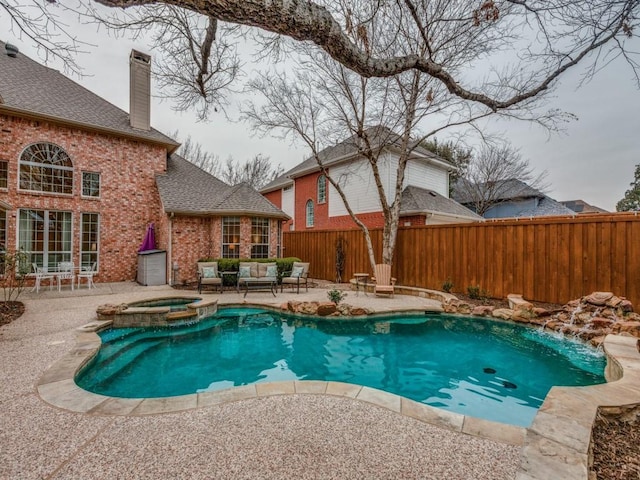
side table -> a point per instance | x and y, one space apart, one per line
362 279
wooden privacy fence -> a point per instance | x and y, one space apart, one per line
552 259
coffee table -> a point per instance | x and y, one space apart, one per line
260 284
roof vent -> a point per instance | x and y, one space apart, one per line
11 50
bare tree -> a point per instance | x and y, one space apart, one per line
326 101
491 174
198 65
196 154
257 172
527 44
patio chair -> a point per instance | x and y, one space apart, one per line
208 275
40 275
88 273
384 282
296 277
65 272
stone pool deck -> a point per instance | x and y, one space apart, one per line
285 430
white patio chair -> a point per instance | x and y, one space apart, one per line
88 273
65 272
41 274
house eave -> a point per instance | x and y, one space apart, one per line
222 213
31 115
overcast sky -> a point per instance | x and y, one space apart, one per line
594 160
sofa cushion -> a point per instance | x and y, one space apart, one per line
272 271
264 267
209 272
297 271
244 271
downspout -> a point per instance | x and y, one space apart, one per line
170 251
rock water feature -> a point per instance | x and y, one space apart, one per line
590 318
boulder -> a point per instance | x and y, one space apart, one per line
613 302
597 341
598 298
516 302
631 327
292 305
626 306
308 308
483 310
503 313
326 308
359 311
542 312
599 322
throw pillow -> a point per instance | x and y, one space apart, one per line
244 272
272 271
297 271
209 272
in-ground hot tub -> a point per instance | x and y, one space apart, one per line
157 312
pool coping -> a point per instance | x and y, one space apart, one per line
556 445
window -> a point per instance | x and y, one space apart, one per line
89 236
322 189
45 167
90 184
45 235
309 213
259 237
231 237
4 173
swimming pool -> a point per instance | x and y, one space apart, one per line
479 367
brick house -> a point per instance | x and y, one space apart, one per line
80 180
314 204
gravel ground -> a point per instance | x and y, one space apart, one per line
287 436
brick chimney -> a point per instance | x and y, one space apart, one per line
140 90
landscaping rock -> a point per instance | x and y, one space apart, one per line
326 308
503 313
483 310
359 311
516 302
598 298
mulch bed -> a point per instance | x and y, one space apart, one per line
616 446
9 311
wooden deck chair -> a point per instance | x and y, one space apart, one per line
383 279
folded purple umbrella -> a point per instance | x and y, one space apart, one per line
149 242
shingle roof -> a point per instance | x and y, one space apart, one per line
187 189
580 206
513 189
505 190
546 207
379 137
416 199
28 87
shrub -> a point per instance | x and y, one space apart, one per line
336 296
447 285
476 293
14 268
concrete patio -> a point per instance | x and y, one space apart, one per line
296 435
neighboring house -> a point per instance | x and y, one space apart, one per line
510 198
580 206
80 180
313 203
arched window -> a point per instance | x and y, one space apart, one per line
45 167
322 189
309 213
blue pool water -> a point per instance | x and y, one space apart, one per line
479 367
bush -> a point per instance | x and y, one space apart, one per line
476 293
336 296
14 268
447 285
